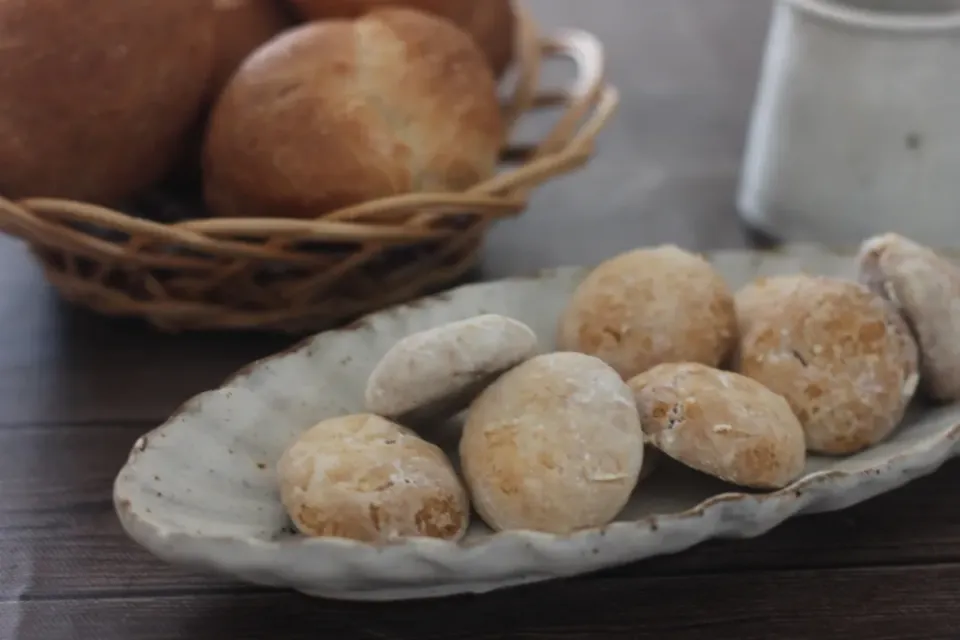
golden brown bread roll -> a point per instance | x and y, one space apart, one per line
331 114
242 26
95 104
492 23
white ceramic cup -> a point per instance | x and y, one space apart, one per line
856 123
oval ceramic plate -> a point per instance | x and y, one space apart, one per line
200 489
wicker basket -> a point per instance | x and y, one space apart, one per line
308 275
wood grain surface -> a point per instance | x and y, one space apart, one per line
77 390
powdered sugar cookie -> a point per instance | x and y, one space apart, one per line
720 423
764 296
650 306
553 445
842 358
925 288
365 478
434 374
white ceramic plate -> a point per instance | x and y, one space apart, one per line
200 490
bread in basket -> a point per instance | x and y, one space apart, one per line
298 275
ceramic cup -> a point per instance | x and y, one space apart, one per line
856 123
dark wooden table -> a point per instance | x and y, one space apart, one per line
76 391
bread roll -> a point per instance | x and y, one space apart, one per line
842 358
96 100
553 445
242 26
492 23
925 288
365 478
651 306
332 114
720 423
436 373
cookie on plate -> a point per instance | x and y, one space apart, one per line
554 445
720 423
434 374
651 306
366 478
841 356
764 296
925 288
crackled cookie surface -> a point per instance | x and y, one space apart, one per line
720 423
366 478
651 306
554 445
925 288
841 356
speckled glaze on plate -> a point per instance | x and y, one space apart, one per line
200 491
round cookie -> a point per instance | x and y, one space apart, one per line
764 296
553 445
720 423
365 478
842 358
434 374
651 306
925 288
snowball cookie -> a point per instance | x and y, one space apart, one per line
925 288
492 23
650 306
335 113
98 98
720 423
553 445
842 358
366 478
764 296
434 374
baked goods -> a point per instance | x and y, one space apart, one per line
559 442
553 445
96 105
434 374
764 296
842 358
332 114
366 478
651 306
241 27
491 23
720 423
925 288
